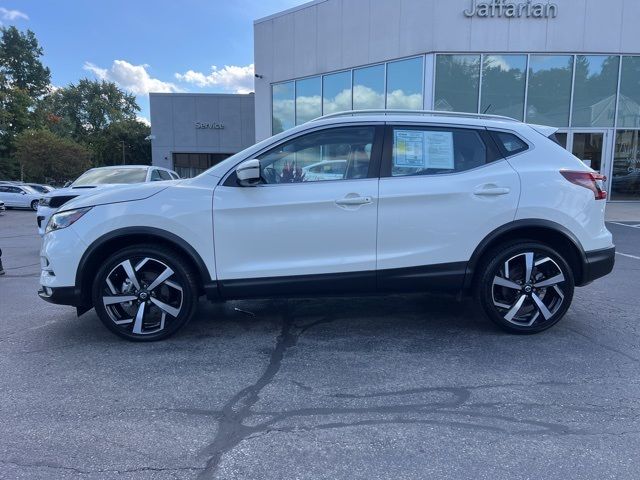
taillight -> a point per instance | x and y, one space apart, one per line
590 180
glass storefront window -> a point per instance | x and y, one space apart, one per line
629 104
594 91
189 165
457 83
283 107
336 92
404 84
625 178
503 84
549 95
588 148
308 101
368 87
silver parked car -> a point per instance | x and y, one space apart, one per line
20 196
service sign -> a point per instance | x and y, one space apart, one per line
212 125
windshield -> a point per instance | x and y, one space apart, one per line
39 188
100 176
29 189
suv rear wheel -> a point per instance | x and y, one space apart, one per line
145 293
525 287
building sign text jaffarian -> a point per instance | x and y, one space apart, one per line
501 8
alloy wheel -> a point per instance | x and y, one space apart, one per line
528 289
142 295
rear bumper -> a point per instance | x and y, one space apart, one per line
598 263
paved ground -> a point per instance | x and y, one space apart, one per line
386 388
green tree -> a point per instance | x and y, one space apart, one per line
45 157
20 65
137 150
15 116
23 81
87 108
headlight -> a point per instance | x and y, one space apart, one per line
64 219
44 201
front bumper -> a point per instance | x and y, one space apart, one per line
61 295
42 218
597 263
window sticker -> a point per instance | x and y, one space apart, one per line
409 148
423 149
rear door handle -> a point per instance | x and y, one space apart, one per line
491 191
353 201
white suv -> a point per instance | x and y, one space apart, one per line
428 201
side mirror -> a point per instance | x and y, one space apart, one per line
23 192
248 173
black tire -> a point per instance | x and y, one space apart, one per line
551 282
151 312
34 205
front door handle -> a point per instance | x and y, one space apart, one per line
491 191
353 201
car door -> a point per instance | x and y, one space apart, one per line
293 235
12 196
442 191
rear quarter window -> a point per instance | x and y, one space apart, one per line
509 143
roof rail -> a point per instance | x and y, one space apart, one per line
438 113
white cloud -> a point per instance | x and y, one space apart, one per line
231 78
133 78
144 120
11 15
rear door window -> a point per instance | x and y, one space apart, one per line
436 150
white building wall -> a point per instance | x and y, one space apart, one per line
329 35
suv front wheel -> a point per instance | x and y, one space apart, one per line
525 287
145 293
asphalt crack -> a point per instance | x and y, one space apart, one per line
231 428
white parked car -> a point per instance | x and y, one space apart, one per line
326 170
428 201
38 187
19 196
98 178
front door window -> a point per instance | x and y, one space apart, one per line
333 154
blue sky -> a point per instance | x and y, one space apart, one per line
143 44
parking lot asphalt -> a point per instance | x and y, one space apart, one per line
396 387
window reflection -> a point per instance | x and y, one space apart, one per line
368 87
625 181
503 84
308 101
457 82
404 84
283 107
629 104
549 95
594 95
336 92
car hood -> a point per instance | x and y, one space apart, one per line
117 194
77 191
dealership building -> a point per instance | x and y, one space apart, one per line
572 64
191 132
